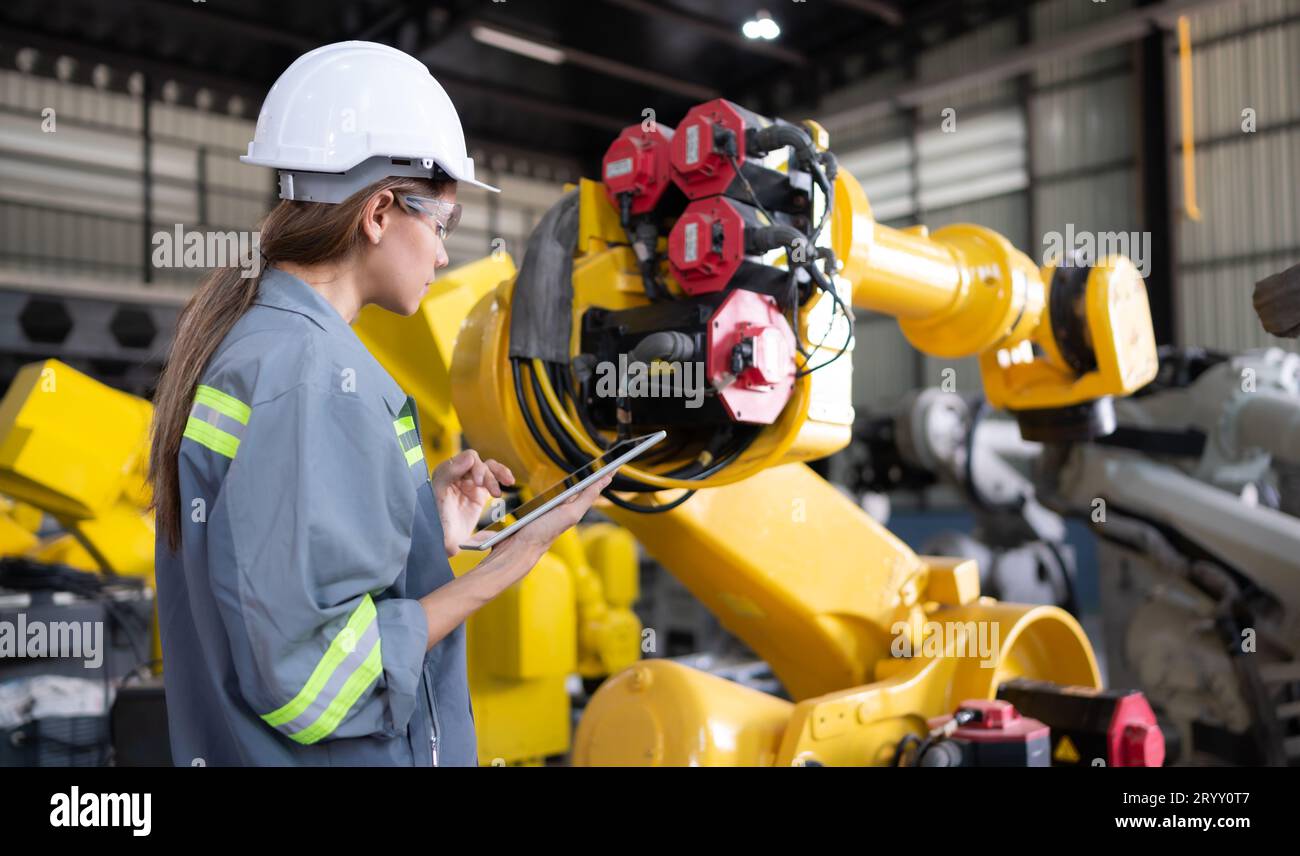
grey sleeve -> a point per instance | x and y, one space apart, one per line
313 522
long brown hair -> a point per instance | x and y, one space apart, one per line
302 232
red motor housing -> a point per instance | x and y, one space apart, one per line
716 244
706 140
998 737
750 357
637 163
1114 727
707 245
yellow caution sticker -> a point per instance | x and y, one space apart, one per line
1065 751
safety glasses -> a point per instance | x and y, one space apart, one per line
445 215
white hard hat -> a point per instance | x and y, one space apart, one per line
348 114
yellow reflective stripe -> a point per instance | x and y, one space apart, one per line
361 619
414 455
363 677
405 424
226 405
212 437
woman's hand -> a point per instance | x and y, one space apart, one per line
447 606
514 557
545 529
462 485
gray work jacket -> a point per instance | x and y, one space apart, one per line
290 628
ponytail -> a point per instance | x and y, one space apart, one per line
301 232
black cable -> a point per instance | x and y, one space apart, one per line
968 468
579 398
901 749
818 277
848 340
528 418
568 465
569 448
691 471
646 509
749 188
571 456
1071 590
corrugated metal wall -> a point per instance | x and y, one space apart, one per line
71 200
1059 151
1245 57
962 158
1082 113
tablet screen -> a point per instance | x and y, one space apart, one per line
611 454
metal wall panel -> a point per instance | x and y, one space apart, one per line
1232 18
959 54
885 366
72 200
1245 57
1053 17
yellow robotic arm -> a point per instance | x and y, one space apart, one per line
703 256
1053 344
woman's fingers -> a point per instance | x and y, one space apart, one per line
457 466
584 500
482 477
467 465
501 471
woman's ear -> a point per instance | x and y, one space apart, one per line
378 215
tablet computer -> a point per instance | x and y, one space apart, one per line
613 458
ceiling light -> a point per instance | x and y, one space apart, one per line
516 44
761 27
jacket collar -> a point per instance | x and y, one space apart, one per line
281 290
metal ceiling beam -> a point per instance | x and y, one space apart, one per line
203 19
713 28
514 151
530 103
1121 28
162 70
885 11
610 67
386 22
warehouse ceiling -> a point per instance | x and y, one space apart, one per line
594 67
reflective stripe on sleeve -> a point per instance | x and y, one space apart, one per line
408 437
217 421
349 666
226 405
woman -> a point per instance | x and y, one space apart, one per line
307 609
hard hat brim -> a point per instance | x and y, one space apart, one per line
475 182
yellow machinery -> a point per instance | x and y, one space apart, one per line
740 278
747 272
571 614
76 450
1045 339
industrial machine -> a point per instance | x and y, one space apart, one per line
90 480
936 437
571 614
704 287
1194 500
